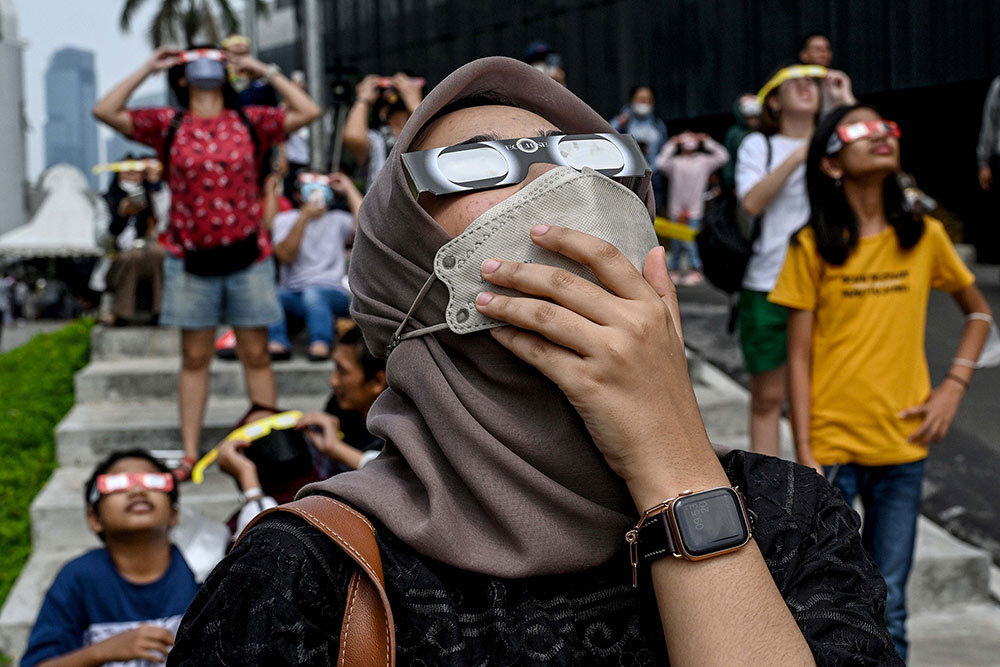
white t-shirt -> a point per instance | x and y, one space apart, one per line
321 261
786 213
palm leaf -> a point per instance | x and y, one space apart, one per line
230 22
128 11
163 27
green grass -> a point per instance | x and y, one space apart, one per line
36 392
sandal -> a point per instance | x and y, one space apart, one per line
313 356
279 354
182 472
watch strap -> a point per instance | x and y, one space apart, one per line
656 539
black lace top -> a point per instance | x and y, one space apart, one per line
279 597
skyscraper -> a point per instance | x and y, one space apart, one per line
70 93
13 125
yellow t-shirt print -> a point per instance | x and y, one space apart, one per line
868 361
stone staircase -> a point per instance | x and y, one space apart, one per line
126 398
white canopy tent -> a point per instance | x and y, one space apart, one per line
66 222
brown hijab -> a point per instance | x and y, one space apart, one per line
486 466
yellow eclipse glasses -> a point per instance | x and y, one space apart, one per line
128 165
248 433
789 73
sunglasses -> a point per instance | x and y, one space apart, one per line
492 164
201 54
126 481
851 132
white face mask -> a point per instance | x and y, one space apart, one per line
131 188
586 201
642 110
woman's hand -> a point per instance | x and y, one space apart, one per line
807 459
837 88
235 463
616 353
248 64
128 207
367 90
409 90
163 58
328 427
938 412
985 177
342 184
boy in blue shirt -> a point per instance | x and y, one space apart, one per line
121 604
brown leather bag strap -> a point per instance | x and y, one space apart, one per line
367 634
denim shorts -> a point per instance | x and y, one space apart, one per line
246 299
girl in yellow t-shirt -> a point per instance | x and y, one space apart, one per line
856 281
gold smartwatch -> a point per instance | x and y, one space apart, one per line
694 525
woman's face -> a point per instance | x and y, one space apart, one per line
455 212
643 96
797 96
873 156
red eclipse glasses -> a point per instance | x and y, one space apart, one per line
126 481
851 132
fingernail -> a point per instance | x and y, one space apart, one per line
484 298
538 230
490 265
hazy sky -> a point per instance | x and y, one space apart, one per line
48 25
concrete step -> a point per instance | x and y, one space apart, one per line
134 342
91 430
965 636
156 379
946 571
25 598
58 512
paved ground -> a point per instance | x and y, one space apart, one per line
961 491
18 334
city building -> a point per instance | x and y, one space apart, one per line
13 123
70 94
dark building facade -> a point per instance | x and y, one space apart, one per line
925 63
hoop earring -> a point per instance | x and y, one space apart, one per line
837 182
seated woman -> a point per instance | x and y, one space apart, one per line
134 198
517 459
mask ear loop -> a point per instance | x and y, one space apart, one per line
398 337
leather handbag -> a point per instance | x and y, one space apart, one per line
367 633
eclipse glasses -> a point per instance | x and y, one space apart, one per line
128 165
253 431
491 164
126 481
789 73
851 132
201 54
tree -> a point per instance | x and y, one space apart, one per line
186 22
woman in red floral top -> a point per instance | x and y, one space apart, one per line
219 268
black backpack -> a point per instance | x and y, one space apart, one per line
725 251
175 124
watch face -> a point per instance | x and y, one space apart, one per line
710 522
